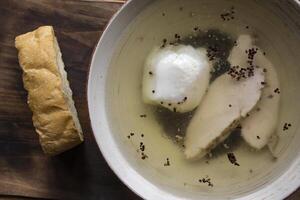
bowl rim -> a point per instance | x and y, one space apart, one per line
279 191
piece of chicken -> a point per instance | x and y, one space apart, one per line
258 128
229 99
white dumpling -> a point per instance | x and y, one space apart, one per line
176 77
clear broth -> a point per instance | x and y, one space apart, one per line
157 131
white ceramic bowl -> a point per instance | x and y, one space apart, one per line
114 99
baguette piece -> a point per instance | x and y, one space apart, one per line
49 94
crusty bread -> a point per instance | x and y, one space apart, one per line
49 95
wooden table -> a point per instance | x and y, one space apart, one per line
25 172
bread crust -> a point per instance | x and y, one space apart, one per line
52 116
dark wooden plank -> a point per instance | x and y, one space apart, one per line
81 173
294 196
12 197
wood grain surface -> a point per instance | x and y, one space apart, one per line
25 172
